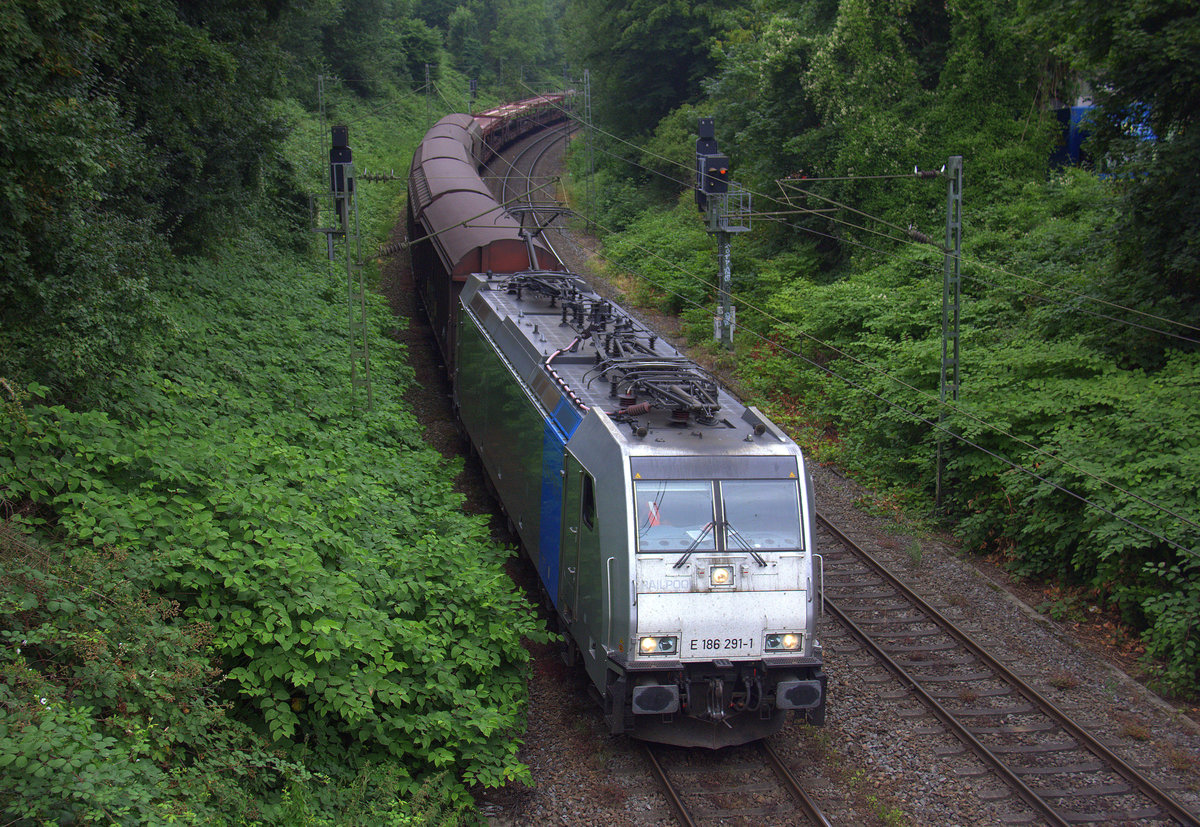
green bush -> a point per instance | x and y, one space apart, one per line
358 613
113 710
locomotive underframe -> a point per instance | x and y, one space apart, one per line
711 704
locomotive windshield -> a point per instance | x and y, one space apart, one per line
761 514
674 515
721 515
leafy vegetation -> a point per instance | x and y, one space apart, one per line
648 57
230 596
1141 61
1077 436
358 615
113 712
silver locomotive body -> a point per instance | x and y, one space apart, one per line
670 525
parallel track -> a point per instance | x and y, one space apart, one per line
742 785
1050 761
520 168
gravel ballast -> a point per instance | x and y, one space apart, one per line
879 759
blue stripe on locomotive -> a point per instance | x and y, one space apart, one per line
558 430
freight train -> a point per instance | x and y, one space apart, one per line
671 526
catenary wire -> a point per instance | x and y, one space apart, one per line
964 259
970 415
840 205
957 408
952 434
996 285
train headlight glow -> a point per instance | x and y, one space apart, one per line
666 645
783 642
722 575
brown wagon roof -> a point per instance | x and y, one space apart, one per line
445 192
438 177
443 148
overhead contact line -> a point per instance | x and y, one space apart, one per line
949 405
908 232
933 424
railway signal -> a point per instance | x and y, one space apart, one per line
341 174
335 213
716 175
706 145
713 197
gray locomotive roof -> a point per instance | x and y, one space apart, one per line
528 330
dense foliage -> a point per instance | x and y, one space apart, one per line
230 595
507 44
318 557
647 57
1080 439
130 130
1142 60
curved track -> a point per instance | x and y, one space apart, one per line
517 189
1048 760
747 785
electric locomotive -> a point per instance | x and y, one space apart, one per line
670 525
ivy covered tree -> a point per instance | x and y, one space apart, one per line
192 79
512 44
78 243
463 41
130 131
372 43
812 89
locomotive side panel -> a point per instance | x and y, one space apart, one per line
521 452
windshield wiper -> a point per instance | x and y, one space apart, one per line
730 531
688 551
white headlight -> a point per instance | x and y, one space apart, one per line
666 645
722 576
783 641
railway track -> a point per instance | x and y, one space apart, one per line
747 785
742 785
1061 772
1056 771
517 187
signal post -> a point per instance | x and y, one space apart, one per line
727 212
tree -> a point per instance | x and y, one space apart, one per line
78 248
516 41
125 127
377 42
646 56
463 43
1143 61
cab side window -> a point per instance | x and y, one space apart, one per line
588 502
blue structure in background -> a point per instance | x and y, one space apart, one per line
1073 121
